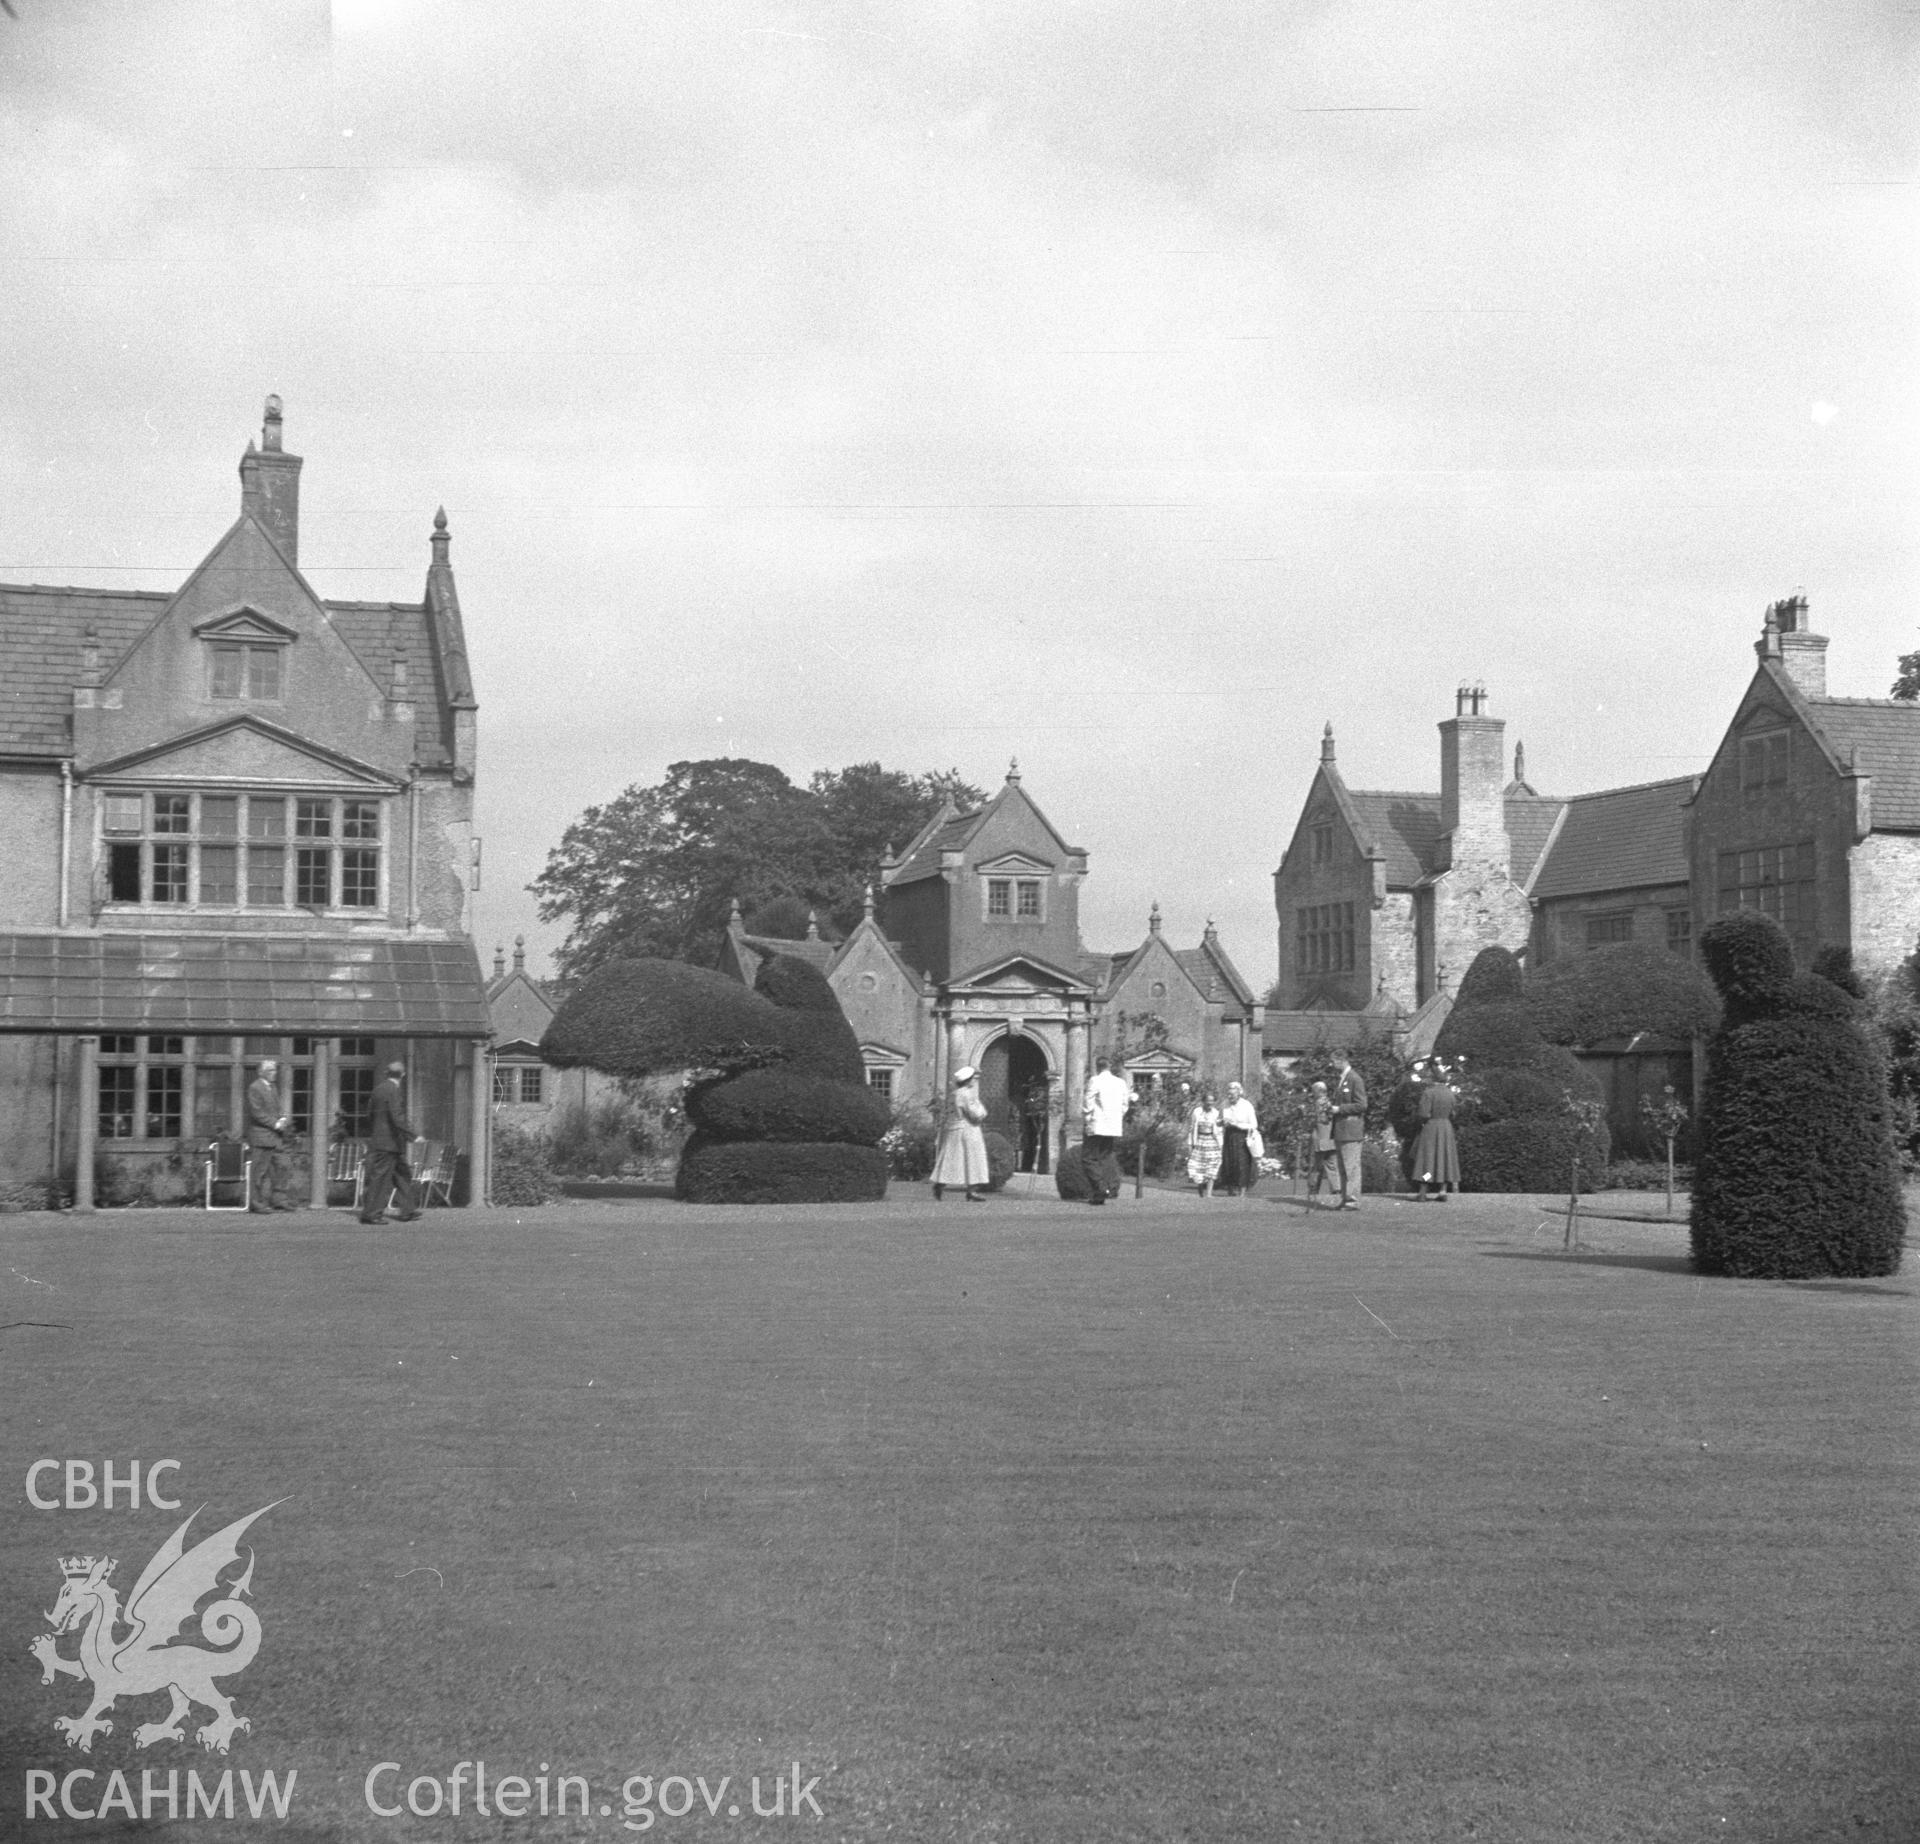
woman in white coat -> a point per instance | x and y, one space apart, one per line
962 1158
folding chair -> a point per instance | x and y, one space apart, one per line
432 1172
229 1163
347 1165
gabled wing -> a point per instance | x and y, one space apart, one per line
177 1579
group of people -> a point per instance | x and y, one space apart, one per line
388 1178
1224 1147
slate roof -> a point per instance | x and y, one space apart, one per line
1530 823
1883 737
1295 1033
950 836
241 985
1407 828
43 632
1209 961
1619 839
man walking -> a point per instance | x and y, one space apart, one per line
1349 1100
267 1135
387 1170
1105 1110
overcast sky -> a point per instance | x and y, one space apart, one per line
1128 386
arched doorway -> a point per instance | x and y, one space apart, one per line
1013 1085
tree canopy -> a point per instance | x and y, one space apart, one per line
655 871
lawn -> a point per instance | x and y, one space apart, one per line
1026 1521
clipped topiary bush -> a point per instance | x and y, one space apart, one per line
776 1104
779 1172
1494 974
1797 1177
790 1093
1618 991
1750 961
1531 1152
1001 1159
1071 1178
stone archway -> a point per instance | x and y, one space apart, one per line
1014 1087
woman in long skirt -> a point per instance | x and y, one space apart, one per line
1436 1154
1204 1142
1238 1173
962 1158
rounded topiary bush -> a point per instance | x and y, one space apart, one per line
777 1104
1618 991
1001 1159
779 1172
1531 1152
1070 1176
643 1017
1797 1177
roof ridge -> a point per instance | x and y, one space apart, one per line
1393 794
80 589
1877 704
1632 787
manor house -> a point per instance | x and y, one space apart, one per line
237 820
971 953
1809 812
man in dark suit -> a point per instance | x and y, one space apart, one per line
388 1139
267 1135
1349 1100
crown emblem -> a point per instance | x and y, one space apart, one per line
78 1568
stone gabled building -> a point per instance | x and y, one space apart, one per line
238 822
970 952
1808 812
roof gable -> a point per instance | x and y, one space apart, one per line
243 749
1877 737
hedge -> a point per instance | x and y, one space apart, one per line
777 1104
1797 1177
1530 1152
779 1172
1617 991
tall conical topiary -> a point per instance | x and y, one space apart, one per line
1797 1178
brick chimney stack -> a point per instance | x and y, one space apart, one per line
1788 640
1473 763
270 486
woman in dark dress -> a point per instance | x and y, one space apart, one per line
1436 1154
1238 1173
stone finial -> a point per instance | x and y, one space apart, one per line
1210 933
399 678
866 901
442 538
270 429
499 961
1013 772
1153 919
1519 761
90 657
813 926
734 920
1326 742
519 953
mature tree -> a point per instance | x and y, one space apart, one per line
655 871
1907 686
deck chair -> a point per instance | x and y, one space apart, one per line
230 1167
347 1165
432 1172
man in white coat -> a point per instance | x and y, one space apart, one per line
1105 1109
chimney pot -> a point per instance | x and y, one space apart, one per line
270 486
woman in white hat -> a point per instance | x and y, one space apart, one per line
962 1159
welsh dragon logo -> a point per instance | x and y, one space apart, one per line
146 1659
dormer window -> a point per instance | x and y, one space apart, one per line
246 657
245 671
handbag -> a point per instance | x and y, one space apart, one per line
1256 1146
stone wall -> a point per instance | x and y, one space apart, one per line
1885 899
